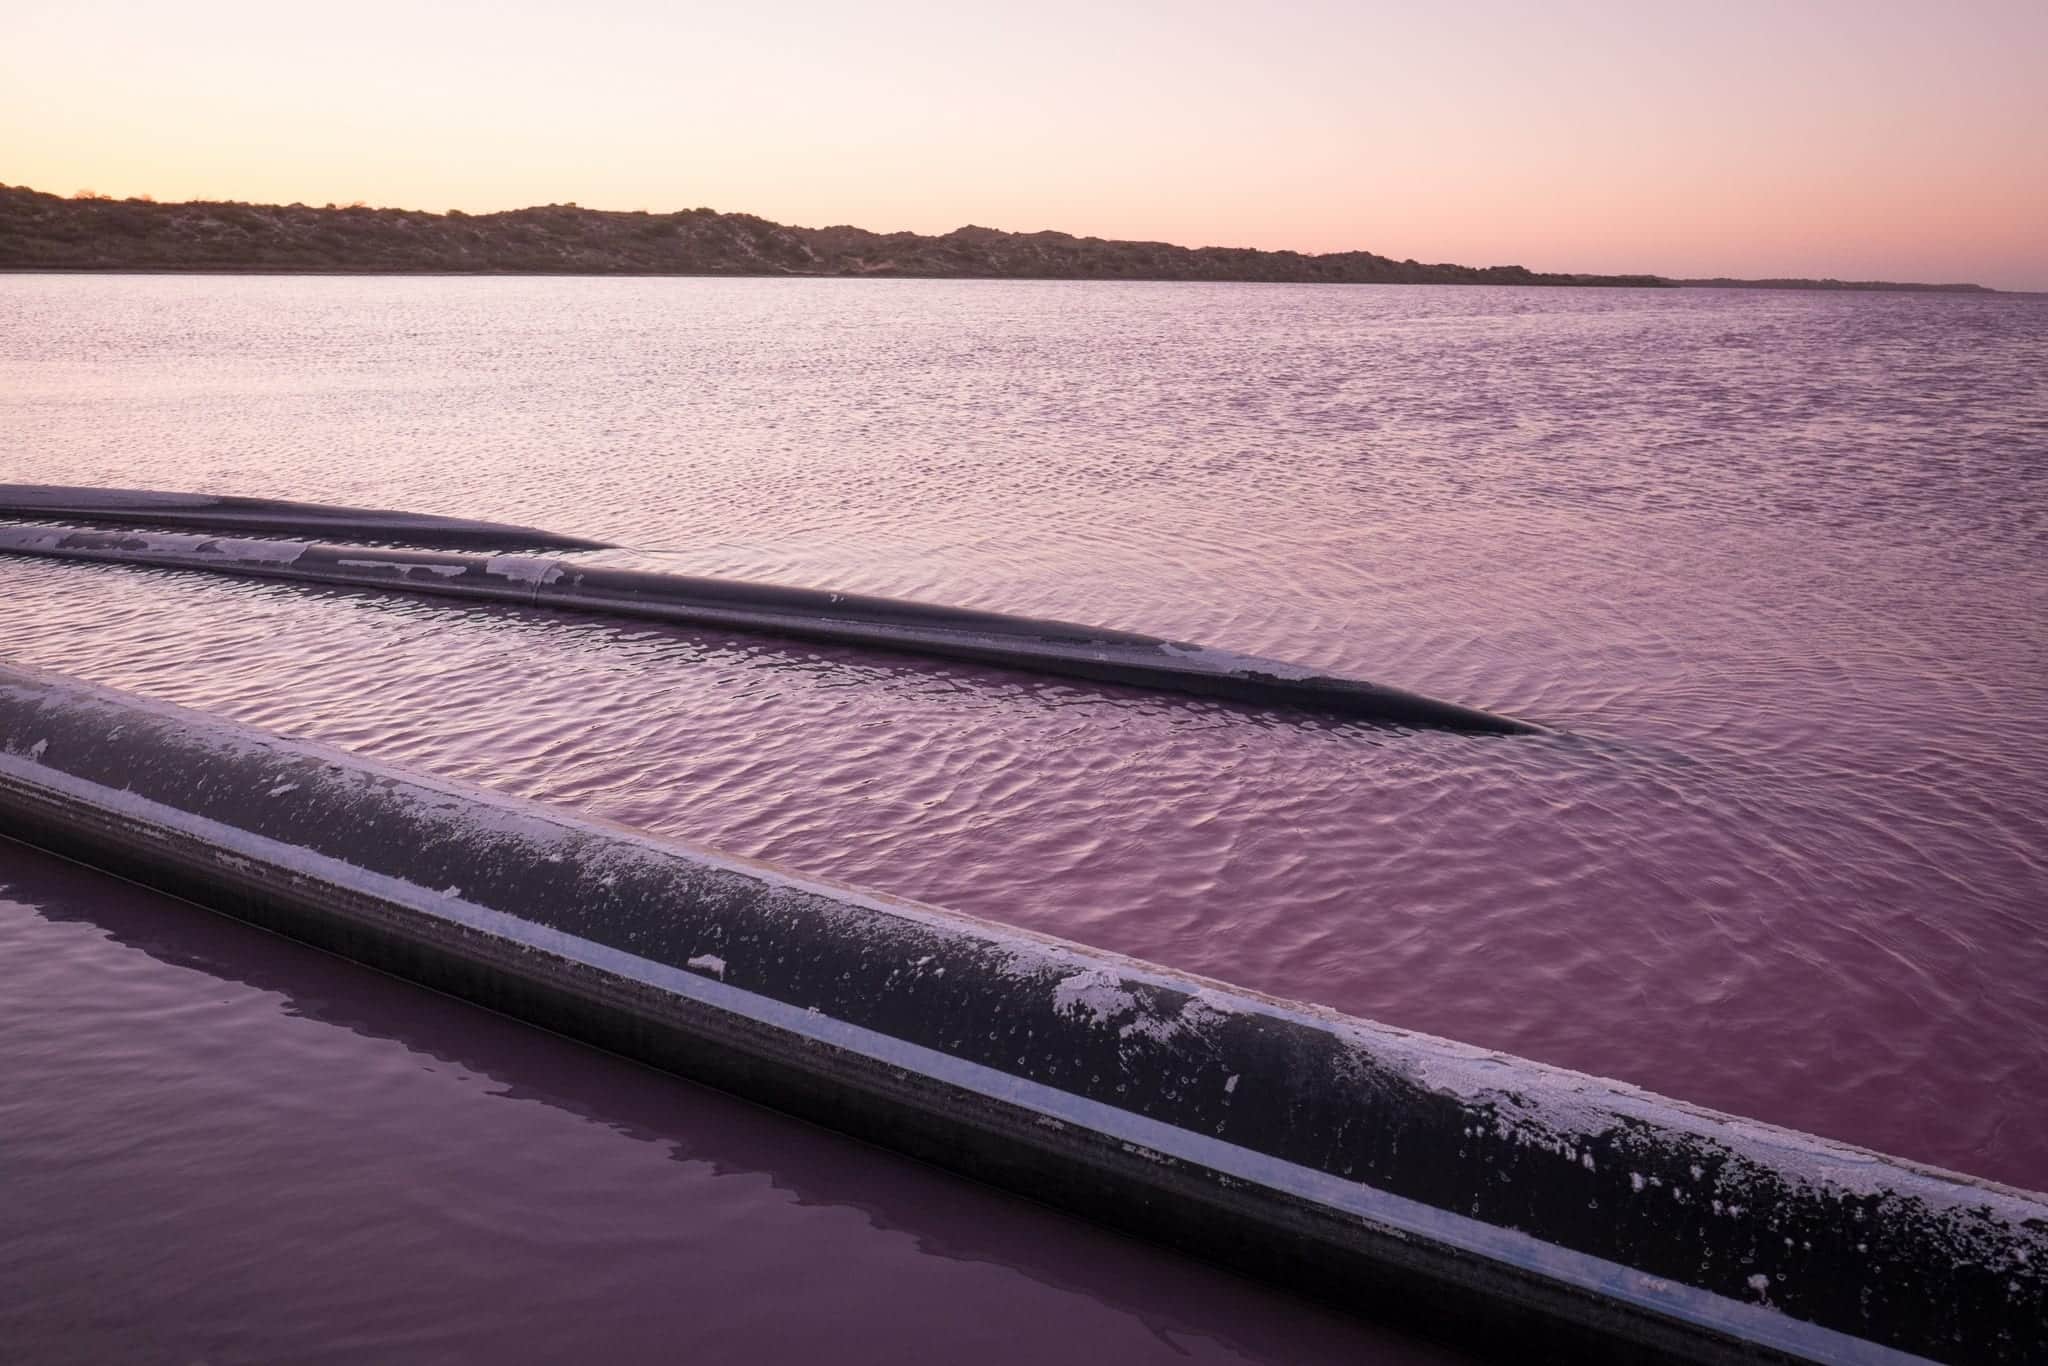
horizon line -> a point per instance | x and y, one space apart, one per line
91 195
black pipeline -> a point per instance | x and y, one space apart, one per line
1054 647
1542 1212
272 516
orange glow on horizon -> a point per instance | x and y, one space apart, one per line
1894 141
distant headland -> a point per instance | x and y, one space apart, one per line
88 232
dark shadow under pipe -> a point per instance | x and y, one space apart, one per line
1054 647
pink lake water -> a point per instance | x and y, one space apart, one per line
1771 563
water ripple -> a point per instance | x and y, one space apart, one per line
1773 563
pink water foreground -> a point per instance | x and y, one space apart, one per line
1772 563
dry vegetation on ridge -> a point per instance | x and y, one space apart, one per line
45 232
97 232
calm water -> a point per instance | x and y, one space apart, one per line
1774 563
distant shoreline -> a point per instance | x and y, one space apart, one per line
46 234
1844 286
382 272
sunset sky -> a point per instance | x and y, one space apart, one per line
1858 140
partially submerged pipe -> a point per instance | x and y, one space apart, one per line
1054 647
273 516
1539 1211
